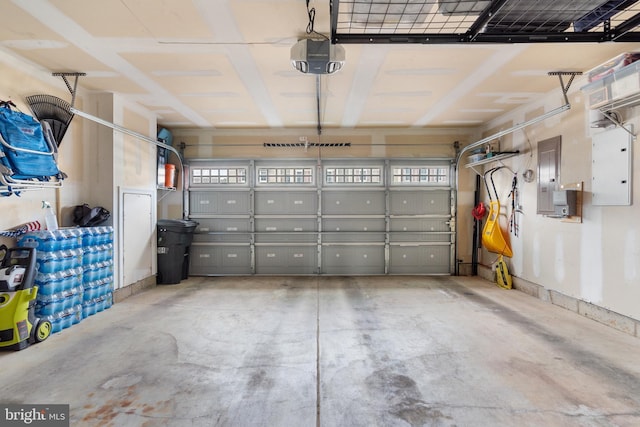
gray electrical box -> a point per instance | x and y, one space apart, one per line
564 202
548 173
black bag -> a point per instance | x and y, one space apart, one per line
86 216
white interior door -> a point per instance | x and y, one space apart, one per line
138 236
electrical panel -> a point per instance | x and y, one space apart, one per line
548 174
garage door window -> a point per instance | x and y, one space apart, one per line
424 175
289 176
353 175
219 176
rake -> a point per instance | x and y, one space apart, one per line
53 110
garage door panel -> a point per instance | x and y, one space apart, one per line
233 230
419 230
343 202
347 237
427 259
280 230
353 230
286 202
286 259
352 259
431 202
218 203
218 260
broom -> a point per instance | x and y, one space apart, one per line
53 110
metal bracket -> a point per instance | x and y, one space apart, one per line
73 90
617 122
565 89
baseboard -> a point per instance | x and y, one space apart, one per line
592 311
133 289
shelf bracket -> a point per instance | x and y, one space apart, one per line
617 122
73 90
565 88
475 170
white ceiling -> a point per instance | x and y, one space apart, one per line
226 64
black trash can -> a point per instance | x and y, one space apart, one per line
174 242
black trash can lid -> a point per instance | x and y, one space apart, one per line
178 225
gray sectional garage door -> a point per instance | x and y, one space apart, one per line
331 217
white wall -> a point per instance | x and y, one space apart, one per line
117 164
17 81
99 162
596 260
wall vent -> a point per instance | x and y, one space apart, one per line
307 144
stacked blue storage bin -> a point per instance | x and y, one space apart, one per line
97 245
59 258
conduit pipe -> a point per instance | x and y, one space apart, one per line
73 90
140 136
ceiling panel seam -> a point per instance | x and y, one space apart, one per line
221 22
58 22
363 78
489 67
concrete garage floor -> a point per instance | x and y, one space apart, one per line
333 351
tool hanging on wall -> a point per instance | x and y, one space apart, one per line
53 110
515 206
493 238
479 211
503 278
476 230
